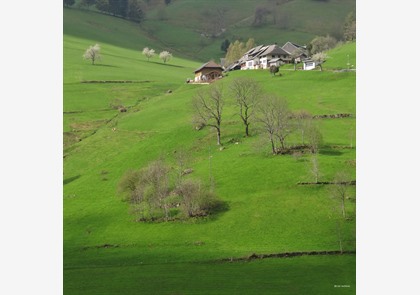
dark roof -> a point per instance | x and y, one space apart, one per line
211 64
291 47
254 50
233 67
273 50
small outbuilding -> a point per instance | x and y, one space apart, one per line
309 64
208 72
274 62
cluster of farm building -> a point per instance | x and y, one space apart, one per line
259 57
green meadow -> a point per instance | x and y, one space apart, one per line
107 252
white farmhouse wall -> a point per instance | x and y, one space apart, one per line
263 61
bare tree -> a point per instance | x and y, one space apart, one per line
165 56
136 190
314 168
339 190
275 117
319 58
149 53
151 195
267 117
190 192
147 190
128 184
302 118
208 108
314 136
183 160
305 123
157 176
93 53
195 199
246 92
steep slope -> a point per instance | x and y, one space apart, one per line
106 252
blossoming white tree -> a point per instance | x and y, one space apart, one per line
93 53
165 56
319 58
149 53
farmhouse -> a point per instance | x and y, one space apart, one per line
262 56
208 72
292 48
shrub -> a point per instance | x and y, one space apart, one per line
273 70
150 197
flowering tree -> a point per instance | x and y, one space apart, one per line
319 58
165 56
149 53
93 53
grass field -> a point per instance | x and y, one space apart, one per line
106 252
305 275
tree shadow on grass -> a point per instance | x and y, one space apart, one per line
330 152
218 209
104 65
70 179
166 65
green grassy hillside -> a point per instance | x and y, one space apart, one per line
184 25
267 211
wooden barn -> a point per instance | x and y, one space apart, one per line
208 72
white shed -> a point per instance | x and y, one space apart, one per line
309 64
274 62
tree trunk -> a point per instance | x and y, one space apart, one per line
247 130
273 148
282 144
166 212
343 210
218 136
